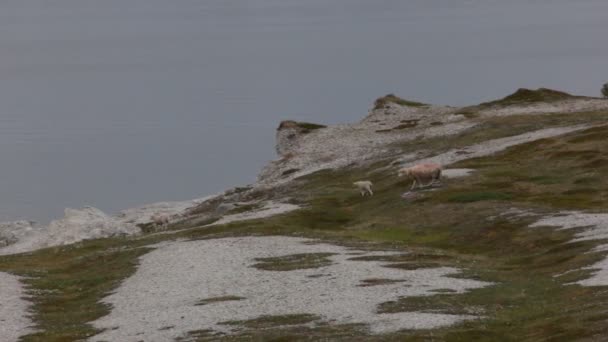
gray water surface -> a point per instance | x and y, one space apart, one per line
115 103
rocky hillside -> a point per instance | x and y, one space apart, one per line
511 245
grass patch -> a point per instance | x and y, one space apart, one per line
440 303
265 322
379 281
407 124
294 262
304 127
499 127
412 123
381 102
526 96
219 300
288 172
243 208
550 172
479 196
468 113
65 284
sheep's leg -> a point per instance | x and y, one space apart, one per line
369 190
437 178
413 184
421 184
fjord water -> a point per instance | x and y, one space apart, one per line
115 103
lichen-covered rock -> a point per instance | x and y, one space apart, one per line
287 137
289 134
77 225
11 232
304 149
86 223
143 214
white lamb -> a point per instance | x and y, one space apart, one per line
365 187
160 220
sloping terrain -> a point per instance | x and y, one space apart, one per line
497 229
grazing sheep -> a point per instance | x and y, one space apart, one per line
428 173
365 187
160 220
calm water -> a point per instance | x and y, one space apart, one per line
115 103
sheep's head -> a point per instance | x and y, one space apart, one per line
403 172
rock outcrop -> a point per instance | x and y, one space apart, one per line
304 148
11 232
289 134
76 225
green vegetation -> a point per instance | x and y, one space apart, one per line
524 96
305 127
310 126
459 225
404 124
479 196
245 208
265 322
378 281
605 90
499 127
66 284
219 299
409 124
468 113
294 262
381 102
563 173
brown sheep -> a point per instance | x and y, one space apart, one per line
428 173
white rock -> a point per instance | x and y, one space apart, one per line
456 173
11 232
85 224
77 225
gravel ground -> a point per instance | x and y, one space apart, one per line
269 209
566 106
158 303
596 229
456 173
490 147
14 320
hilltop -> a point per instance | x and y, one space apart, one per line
509 247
